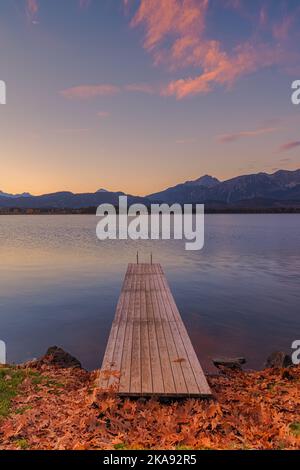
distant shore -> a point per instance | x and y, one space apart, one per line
208 210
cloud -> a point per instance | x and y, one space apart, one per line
32 8
90 91
103 114
93 91
263 16
71 130
85 3
127 5
289 146
140 88
227 138
185 141
166 17
219 68
281 30
176 36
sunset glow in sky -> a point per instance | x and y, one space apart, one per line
138 95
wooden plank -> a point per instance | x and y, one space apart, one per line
107 365
155 358
149 352
118 347
111 367
146 370
136 378
127 352
183 358
168 379
186 342
180 385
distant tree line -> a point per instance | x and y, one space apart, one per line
208 210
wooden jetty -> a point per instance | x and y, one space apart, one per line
149 352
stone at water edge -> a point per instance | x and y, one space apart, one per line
279 360
229 362
59 357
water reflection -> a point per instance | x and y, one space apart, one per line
239 296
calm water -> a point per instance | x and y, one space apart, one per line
239 296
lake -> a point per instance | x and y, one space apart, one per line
240 295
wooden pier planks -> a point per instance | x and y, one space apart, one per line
149 352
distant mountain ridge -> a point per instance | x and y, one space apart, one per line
205 181
280 189
14 196
67 200
280 186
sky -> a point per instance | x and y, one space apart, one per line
139 95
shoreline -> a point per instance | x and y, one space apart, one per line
92 211
58 406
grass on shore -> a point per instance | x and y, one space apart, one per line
295 429
10 382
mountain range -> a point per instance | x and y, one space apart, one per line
261 190
14 196
277 187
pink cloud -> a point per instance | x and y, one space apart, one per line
263 17
72 130
140 88
93 91
281 30
85 3
90 91
103 114
176 37
226 138
235 4
221 69
289 146
185 141
32 8
165 17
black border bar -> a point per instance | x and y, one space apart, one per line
137 459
